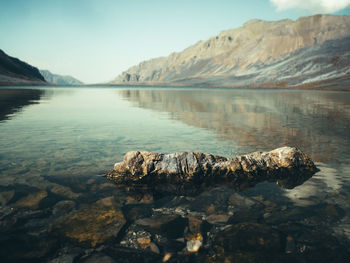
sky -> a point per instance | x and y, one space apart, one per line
96 40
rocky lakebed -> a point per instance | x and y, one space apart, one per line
62 199
203 218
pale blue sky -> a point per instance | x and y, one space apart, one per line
95 40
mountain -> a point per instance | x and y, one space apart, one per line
59 79
309 50
16 72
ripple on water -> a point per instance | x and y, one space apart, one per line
56 208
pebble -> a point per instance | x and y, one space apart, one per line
144 242
99 258
154 248
166 257
194 243
267 215
217 219
290 245
63 259
147 199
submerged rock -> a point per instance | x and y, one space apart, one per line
191 171
172 226
63 207
194 242
249 237
6 197
92 224
217 219
99 258
32 200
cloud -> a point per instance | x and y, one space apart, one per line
315 6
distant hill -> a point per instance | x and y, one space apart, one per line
16 72
59 79
279 53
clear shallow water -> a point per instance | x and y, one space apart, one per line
56 142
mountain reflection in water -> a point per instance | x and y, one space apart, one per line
55 206
316 122
12 100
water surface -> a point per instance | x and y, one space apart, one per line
55 143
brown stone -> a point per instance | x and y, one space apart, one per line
144 242
166 257
154 248
217 219
107 201
194 224
93 224
249 237
64 191
147 199
156 222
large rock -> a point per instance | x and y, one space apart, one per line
247 242
93 224
191 171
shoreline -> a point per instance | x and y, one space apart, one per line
329 85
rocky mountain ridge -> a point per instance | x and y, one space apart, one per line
59 79
16 72
310 49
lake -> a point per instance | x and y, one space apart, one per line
57 143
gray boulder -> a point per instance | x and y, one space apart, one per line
194 171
